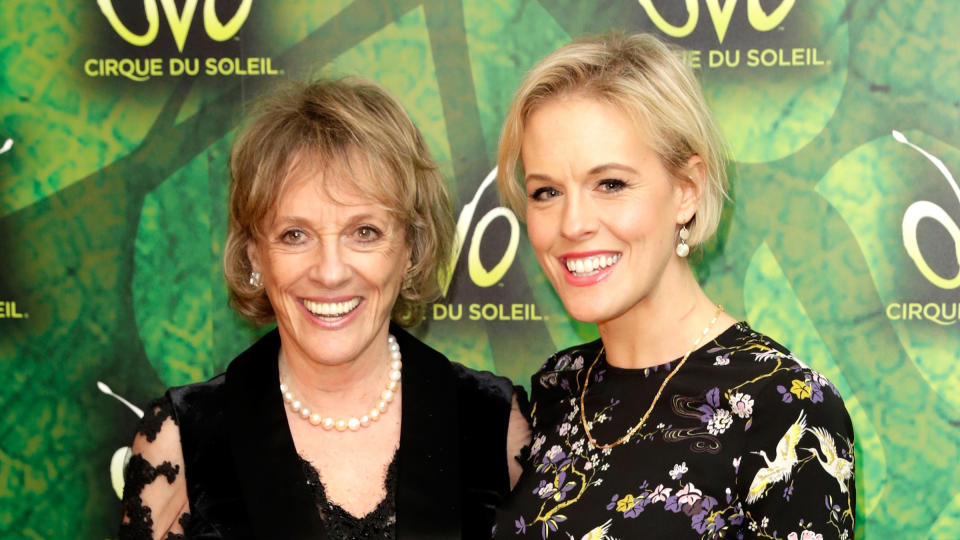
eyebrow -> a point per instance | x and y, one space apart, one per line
608 166
592 172
301 221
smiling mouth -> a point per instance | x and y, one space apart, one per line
331 311
588 266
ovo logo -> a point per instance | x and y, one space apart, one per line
481 276
926 209
179 21
759 19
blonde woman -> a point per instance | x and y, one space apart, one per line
679 422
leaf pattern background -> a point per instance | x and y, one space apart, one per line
112 222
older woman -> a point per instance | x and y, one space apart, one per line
679 422
337 424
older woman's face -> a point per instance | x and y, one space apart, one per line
602 211
332 268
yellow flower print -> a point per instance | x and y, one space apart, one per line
801 389
626 503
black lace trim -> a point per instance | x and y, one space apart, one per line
138 475
184 522
152 422
379 524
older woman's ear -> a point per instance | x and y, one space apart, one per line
254 255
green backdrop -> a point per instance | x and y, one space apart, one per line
841 240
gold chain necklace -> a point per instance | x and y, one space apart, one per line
634 429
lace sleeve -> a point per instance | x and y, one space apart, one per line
518 437
155 493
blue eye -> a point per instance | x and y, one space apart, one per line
544 193
612 185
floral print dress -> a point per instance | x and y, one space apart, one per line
745 442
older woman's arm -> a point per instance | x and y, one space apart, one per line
518 436
155 491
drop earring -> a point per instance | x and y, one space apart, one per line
682 248
256 279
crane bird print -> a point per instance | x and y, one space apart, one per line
782 465
836 466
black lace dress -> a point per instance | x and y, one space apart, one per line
379 524
745 442
233 456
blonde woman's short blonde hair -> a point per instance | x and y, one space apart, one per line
338 125
648 80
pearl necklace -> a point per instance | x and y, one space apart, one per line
634 429
352 423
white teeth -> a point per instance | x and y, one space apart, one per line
589 265
331 309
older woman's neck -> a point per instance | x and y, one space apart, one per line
662 327
357 377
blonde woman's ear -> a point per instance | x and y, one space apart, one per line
691 188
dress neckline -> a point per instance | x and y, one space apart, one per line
700 352
382 513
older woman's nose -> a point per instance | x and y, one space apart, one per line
330 266
579 219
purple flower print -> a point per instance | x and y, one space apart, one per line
551 524
709 409
702 522
816 395
545 490
553 456
521 525
785 394
637 509
713 397
563 487
631 506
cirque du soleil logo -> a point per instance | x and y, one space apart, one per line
179 21
720 16
943 313
480 275
759 19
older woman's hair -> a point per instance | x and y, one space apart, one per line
647 80
339 126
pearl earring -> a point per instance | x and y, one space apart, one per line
256 279
682 248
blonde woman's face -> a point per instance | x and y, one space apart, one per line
332 270
602 211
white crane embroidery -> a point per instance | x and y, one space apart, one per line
836 466
598 533
780 468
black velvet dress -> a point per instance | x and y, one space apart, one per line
244 478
